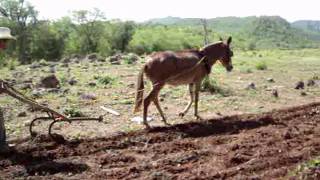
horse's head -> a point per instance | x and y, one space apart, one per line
226 54
219 51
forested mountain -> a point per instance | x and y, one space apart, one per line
84 32
262 32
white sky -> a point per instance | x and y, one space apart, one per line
141 10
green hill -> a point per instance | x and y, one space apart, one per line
312 28
261 32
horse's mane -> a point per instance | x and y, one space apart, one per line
212 44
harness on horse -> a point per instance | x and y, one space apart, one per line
205 62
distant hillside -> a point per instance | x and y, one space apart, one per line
226 24
307 25
263 32
312 28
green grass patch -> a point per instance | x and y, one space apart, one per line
211 85
261 65
302 169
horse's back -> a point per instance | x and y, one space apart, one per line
163 65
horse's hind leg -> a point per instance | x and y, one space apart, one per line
186 109
146 102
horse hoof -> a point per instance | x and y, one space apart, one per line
198 118
181 115
147 126
167 124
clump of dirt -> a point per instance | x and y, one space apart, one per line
250 146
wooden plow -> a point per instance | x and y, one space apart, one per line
52 115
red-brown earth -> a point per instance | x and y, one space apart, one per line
267 146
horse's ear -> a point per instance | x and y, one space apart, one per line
229 40
220 38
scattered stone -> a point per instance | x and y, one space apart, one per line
311 82
275 93
92 57
115 60
303 93
72 81
66 60
299 85
271 80
64 65
52 69
25 86
27 123
18 74
131 58
92 84
88 96
100 59
131 85
35 65
22 114
50 81
251 86
54 90
37 93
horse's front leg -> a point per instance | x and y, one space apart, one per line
186 109
196 99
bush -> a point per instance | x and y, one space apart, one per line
261 65
43 62
12 64
210 85
73 112
130 58
104 80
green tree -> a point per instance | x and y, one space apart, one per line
22 17
89 27
47 43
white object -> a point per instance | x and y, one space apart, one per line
111 111
5 33
139 119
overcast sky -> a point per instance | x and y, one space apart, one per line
141 10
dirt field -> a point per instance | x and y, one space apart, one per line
268 145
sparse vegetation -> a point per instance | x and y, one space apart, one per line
105 80
211 85
73 112
306 170
261 65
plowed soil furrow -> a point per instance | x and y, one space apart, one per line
263 146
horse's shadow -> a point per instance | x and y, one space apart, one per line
37 164
218 126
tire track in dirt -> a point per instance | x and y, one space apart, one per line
267 145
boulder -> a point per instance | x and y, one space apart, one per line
299 85
50 81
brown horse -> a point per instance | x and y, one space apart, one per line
177 68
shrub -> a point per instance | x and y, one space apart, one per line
104 80
210 85
261 65
73 112
12 64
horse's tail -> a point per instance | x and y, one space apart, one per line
139 92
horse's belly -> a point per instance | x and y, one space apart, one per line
181 80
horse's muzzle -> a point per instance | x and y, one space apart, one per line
229 68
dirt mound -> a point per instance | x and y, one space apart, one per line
268 145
